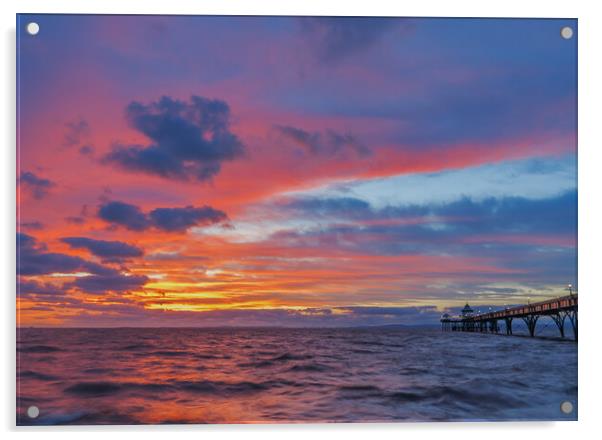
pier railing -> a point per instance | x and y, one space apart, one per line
558 309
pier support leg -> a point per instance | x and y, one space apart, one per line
559 320
573 318
531 322
508 322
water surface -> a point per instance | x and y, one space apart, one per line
132 376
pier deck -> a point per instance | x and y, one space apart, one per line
558 309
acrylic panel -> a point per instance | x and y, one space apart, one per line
228 219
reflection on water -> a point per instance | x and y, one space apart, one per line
126 376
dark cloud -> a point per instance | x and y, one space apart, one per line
28 287
335 38
402 315
107 250
34 259
86 150
517 214
124 214
312 317
166 219
32 225
179 219
189 140
490 229
465 216
344 207
99 284
75 132
37 186
26 241
326 144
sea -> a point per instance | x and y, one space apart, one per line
280 375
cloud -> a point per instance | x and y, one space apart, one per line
189 140
36 225
554 215
124 214
327 144
403 315
179 219
343 207
33 259
29 287
75 132
454 220
86 150
312 317
107 250
37 186
334 38
534 178
166 219
99 284
532 240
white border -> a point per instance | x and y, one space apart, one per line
590 218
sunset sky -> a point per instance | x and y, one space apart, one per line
302 171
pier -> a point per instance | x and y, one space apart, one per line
558 309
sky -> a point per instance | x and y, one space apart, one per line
292 171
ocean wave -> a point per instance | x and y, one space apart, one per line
274 360
37 376
490 398
438 394
170 353
286 357
355 392
97 370
105 388
222 388
94 388
39 349
318 368
405 396
137 347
